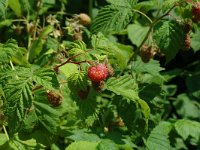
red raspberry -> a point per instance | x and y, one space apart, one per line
98 73
196 12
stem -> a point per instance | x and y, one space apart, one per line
12 66
149 31
5 131
90 8
69 60
36 18
143 14
19 20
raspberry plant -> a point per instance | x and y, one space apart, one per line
112 74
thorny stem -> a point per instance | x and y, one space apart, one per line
149 31
71 58
5 131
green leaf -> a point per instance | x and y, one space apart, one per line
3 139
3 7
18 94
145 6
81 135
8 50
186 128
47 116
69 69
83 145
124 86
137 33
145 110
87 105
195 43
16 143
15 6
153 67
45 77
25 5
169 38
193 86
124 3
118 54
37 45
46 4
187 107
6 22
158 138
111 18
77 81
107 145
149 91
79 48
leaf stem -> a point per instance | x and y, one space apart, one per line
5 131
90 8
12 66
143 14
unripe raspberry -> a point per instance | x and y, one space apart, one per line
187 27
187 42
78 36
84 19
98 73
98 86
54 98
146 53
196 12
110 70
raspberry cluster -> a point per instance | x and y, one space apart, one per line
98 73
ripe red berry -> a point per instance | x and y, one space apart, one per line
98 73
196 11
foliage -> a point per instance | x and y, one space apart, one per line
149 98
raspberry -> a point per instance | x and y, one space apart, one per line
196 12
110 70
187 27
98 86
84 19
187 42
146 53
54 98
98 73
